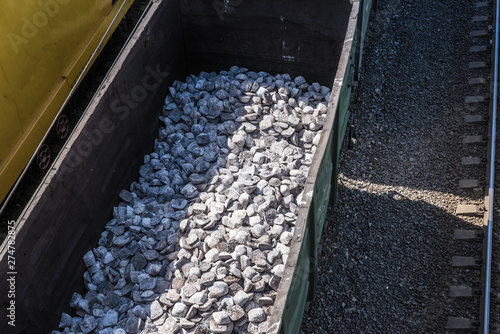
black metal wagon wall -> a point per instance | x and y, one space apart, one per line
68 212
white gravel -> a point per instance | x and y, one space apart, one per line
199 242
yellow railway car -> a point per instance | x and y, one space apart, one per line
45 46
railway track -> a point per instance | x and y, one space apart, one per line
386 185
484 88
490 316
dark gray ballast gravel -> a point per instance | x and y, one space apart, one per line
199 243
385 264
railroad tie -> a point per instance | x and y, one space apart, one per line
474 99
474 119
469 184
455 323
473 140
482 4
478 48
460 291
476 81
472 161
469 210
477 64
466 235
478 33
480 18
465 262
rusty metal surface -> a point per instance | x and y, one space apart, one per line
296 37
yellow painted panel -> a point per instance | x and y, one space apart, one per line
35 91
80 20
25 147
10 134
41 45
32 70
74 70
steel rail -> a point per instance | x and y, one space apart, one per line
489 246
80 78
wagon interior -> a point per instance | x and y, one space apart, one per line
67 214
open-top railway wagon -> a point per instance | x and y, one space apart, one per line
321 41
